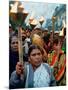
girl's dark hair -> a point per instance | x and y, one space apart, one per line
56 40
34 47
46 39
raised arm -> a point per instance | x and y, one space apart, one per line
16 81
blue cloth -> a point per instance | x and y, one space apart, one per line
16 82
30 76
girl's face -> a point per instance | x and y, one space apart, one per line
35 57
54 47
57 47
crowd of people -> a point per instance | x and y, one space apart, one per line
44 59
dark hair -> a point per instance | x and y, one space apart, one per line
34 47
14 35
56 41
10 39
46 39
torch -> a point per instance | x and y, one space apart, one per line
18 15
33 23
41 20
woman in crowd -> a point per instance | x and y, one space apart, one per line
57 61
13 53
35 73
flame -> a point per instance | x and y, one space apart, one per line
21 6
41 19
61 33
31 17
14 8
25 12
11 5
34 22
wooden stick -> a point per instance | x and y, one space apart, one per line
20 45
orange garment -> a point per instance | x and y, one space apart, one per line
58 64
